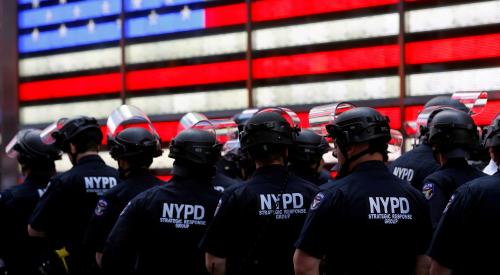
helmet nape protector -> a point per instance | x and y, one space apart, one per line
491 136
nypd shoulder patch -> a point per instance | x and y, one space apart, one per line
428 190
317 201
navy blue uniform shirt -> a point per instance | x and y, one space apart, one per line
467 239
415 165
307 174
22 254
65 209
440 185
111 204
369 222
159 230
221 181
257 222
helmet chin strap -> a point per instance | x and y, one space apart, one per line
344 169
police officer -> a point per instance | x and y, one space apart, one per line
361 224
466 240
159 230
22 254
418 163
452 134
258 221
306 157
67 206
134 149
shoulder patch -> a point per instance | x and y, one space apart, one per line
428 190
101 207
448 204
317 201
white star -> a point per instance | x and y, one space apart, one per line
168 2
153 18
76 12
63 31
137 4
48 16
35 34
62 2
91 26
35 4
185 13
105 7
118 23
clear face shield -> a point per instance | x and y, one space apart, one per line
127 116
190 119
48 135
290 116
208 126
475 101
320 116
11 148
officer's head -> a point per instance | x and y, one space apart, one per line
241 118
491 139
267 135
33 155
134 147
74 135
308 149
452 133
448 102
358 132
196 147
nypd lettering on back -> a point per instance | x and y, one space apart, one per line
99 184
183 215
282 206
403 173
389 209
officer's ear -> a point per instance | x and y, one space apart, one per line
72 148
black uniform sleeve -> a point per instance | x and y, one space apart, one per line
121 247
444 248
424 231
105 215
318 229
48 209
436 198
217 239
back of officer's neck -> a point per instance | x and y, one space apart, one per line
85 154
364 158
260 164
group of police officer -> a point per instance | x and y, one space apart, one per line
278 213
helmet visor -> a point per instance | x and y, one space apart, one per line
11 147
190 119
320 116
475 101
48 135
127 116
290 116
225 129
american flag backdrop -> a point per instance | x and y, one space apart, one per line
190 55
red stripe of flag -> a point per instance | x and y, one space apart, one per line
73 86
268 10
453 49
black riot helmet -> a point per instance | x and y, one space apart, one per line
77 130
453 129
241 118
309 147
268 127
359 125
448 102
195 145
28 148
491 136
134 142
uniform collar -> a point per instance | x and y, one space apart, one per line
271 170
456 162
89 158
369 165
